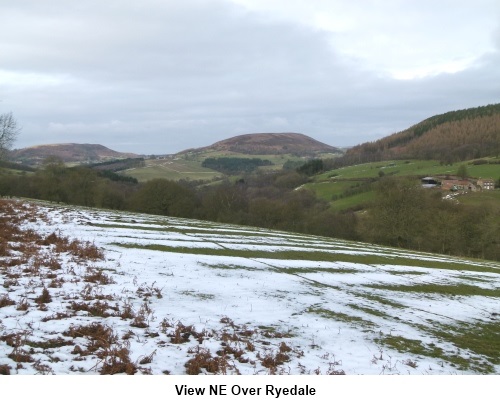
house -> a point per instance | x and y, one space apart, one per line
456 185
486 184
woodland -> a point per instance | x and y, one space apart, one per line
450 137
232 165
401 214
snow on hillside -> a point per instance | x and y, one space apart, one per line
178 296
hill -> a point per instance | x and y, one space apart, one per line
270 144
251 152
454 136
68 152
143 294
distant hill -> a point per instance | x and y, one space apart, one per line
450 137
68 152
270 144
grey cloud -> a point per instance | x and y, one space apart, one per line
162 76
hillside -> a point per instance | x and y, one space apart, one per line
270 144
68 152
454 136
239 152
351 187
143 294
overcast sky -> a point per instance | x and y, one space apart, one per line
160 76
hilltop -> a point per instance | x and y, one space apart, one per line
68 152
454 136
277 147
270 150
270 144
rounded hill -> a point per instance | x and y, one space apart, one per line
68 153
272 143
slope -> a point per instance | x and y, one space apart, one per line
150 295
276 148
270 144
454 136
68 152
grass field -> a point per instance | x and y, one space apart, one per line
344 188
178 296
172 169
353 202
335 186
410 168
189 165
8 172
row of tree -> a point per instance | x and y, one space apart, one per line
402 214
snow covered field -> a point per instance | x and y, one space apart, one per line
177 296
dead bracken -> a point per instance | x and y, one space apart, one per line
187 297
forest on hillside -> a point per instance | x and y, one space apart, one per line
455 136
235 165
402 213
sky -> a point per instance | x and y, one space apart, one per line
161 76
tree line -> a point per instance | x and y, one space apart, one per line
402 214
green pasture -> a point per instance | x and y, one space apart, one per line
334 193
410 168
330 190
277 159
188 166
353 202
172 169
334 186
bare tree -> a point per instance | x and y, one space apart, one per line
8 132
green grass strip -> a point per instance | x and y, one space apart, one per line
312 256
444 289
